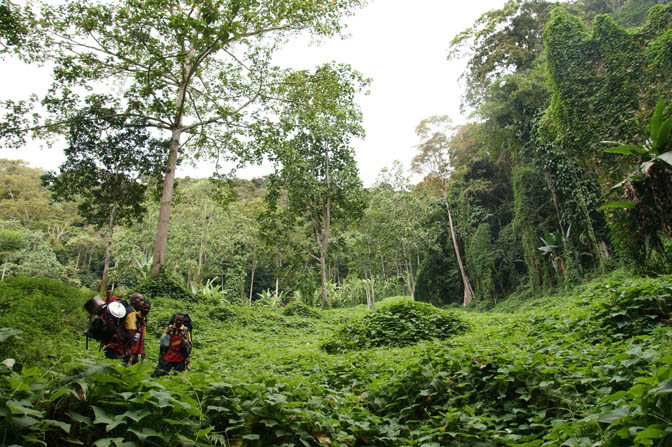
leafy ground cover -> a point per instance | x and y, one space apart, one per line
592 368
398 324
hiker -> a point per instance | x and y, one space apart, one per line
146 307
175 347
138 343
120 346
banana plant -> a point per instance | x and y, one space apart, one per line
657 149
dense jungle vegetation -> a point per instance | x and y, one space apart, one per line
519 295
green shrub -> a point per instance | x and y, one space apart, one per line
637 307
224 313
400 324
164 286
45 310
302 310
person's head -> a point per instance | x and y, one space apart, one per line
136 300
179 319
146 307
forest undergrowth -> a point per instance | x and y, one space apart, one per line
590 368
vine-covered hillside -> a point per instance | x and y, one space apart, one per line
589 368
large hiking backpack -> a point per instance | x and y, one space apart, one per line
108 320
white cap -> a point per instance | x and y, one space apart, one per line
117 309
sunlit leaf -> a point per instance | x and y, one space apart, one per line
666 157
626 149
621 204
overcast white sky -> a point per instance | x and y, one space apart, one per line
400 44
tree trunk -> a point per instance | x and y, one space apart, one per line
277 287
254 268
373 289
368 294
79 253
468 291
108 251
323 240
323 276
411 279
161 239
4 268
201 249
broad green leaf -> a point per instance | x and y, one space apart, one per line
148 432
614 415
137 415
663 138
656 120
79 418
626 149
34 440
110 420
175 422
251 437
60 424
107 442
58 393
620 204
105 378
8 363
650 432
22 407
6 332
663 387
204 432
24 422
666 157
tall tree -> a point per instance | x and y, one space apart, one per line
201 68
108 156
316 165
433 158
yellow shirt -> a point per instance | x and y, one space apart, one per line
131 322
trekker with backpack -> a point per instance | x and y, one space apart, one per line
175 347
139 345
113 323
135 324
120 347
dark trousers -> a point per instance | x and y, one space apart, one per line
164 367
113 354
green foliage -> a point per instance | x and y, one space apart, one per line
163 285
399 324
224 313
108 154
533 216
437 278
301 309
43 309
557 372
636 308
644 209
481 257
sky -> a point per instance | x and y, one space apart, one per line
400 44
